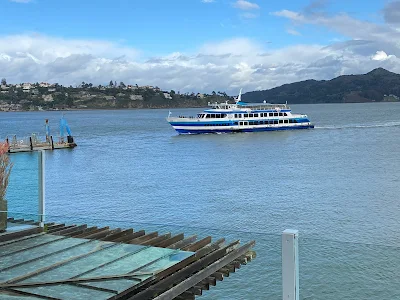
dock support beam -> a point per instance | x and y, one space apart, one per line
290 264
42 181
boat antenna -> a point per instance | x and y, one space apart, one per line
239 98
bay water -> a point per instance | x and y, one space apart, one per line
338 184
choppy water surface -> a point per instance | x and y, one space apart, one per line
339 184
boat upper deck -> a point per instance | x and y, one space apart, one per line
243 106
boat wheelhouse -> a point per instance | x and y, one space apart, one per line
241 117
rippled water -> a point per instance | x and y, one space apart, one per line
338 184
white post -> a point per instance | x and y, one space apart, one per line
42 181
290 264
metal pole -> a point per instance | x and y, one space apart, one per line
290 264
42 181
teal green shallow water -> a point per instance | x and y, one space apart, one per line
338 184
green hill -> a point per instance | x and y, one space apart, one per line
376 86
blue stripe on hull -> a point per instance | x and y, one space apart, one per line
243 130
230 122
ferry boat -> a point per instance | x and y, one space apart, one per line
241 117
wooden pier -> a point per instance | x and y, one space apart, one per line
80 262
33 143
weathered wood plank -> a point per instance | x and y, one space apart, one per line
126 239
170 241
117 235
21 239
85 234
183 243
79 232
196 246
186 296
183 273
144 238
7 236
204 273
157 239
70 230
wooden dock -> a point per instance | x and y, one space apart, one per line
32 143
80 262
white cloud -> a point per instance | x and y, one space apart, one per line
207 1
293 32
224 65
245 5
381 55
343 24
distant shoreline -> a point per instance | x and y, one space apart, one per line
175 108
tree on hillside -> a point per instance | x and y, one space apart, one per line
111 83
3 81
122 85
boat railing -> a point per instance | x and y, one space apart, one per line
187 117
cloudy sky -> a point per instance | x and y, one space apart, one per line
196 45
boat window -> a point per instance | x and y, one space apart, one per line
290 121
294 121
271 114
275 121
280 114
246 115
276 114
286 121
256 115
265 114
285 114
280 121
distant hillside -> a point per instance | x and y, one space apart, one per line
375 86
